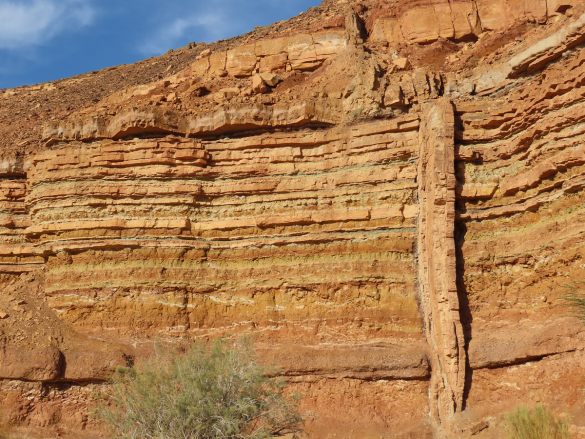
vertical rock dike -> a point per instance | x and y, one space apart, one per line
437 259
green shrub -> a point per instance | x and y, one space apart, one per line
204 393
538 424
575 299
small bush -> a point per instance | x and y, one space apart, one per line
204 393
575 299
538 424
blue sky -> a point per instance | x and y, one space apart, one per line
44 40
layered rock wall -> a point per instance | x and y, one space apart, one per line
424 21
393 222
301 232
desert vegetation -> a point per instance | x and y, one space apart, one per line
539 423
574 298
202 392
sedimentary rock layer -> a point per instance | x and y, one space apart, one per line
330 213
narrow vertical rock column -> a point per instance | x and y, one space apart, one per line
437 267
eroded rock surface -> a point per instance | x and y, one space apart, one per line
387 195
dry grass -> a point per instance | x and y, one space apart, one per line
575 299
540 423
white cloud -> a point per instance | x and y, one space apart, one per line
31 22
213 26
181 21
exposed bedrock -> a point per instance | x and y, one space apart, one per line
379 361
52 351
388 196
504 344
437 259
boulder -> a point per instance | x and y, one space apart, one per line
402 63
393 96
36 364
258 84
241 61
270 79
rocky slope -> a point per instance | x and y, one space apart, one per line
387 194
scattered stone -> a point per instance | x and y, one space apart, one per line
478 427
393 96
3 315
200 91
258 84
230 93
402 63
270 79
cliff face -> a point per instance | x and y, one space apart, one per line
388 195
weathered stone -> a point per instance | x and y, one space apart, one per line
231 92
217 62
393 96
438 270
258 85
478 427
200 67
272 47
301 53
328 43
273 63
521 342
402 63
387 30
492 14
270 79
241 61
382 361
420 25
43 364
